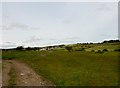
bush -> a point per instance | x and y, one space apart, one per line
104 50
9 58
77 50
82 49
117 50
92 50
89 46
69 48
99 51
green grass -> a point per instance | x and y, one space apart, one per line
72 69
96 47
78 68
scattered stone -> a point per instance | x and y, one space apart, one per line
21 74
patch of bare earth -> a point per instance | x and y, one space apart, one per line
25 76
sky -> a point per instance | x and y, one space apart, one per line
50 23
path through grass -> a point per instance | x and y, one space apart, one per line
75 68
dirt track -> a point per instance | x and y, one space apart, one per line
24 75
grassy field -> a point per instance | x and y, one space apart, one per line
77 68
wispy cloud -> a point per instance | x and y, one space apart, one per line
37 41
105 35
104 7
33 39
9 45
19 26
71 38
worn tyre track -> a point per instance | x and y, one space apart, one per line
25 76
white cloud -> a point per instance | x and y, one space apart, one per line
33 39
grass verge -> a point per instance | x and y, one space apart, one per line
11 81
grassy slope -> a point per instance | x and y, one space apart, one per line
75 68
96 47
110 47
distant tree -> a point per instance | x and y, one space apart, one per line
61 46
35 48
91 43
28 48
111 41
105 41
69 48
19 48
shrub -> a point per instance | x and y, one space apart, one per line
9 58
77 50
117 50
92 50
99 51
69 48
105 50
89 46
82 49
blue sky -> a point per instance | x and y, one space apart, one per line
49 23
